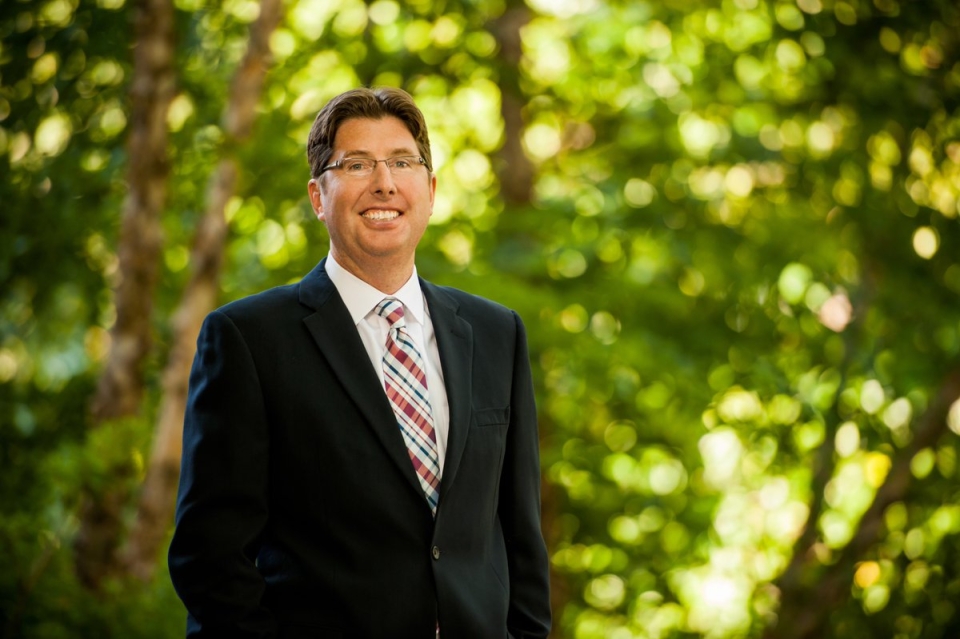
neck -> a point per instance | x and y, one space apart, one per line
384 275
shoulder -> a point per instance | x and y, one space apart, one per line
469 305
281 301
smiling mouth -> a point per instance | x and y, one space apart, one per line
381 215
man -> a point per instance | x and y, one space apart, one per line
360 449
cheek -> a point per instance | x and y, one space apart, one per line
334 199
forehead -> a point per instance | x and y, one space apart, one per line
367 136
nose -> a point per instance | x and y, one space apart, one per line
381 181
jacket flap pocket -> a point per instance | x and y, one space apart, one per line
491 416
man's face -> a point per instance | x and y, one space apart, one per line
376 221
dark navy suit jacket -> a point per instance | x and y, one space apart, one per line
299 512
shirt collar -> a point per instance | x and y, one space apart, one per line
360 298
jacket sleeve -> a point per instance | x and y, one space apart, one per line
519 507
222 501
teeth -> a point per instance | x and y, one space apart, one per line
381 215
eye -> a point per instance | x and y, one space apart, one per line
402 163
354 166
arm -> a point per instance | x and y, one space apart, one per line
519 509
222 502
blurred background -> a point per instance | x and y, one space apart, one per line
731 227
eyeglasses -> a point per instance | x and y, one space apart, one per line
364 167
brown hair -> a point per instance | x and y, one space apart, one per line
364 103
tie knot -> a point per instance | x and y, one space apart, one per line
391 309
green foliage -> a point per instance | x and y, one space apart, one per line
739 272
44 486
59 608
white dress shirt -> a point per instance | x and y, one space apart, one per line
361 301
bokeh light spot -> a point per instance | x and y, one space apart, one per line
926 242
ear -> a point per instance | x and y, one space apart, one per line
313 189
433 190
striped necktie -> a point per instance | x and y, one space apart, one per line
405 381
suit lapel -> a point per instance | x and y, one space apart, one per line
455 343
335 334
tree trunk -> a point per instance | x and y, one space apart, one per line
158 496
120 388
807 600
515 171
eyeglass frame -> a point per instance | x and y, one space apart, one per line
339 164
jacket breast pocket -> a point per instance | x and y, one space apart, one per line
307 631
486 417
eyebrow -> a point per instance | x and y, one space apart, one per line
355 153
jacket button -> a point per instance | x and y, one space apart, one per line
435 552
